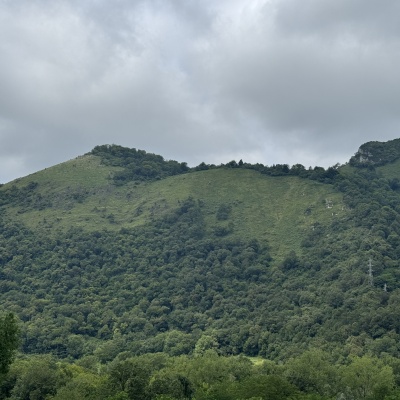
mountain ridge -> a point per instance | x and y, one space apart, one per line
266 260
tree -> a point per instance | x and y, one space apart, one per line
167 384
37 378
131 376
84 384
206 342
367 378
312 372
9 340
291 261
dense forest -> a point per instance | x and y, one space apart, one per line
181 293
314 375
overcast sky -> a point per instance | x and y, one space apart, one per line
269 81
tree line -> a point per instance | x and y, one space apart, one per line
313 375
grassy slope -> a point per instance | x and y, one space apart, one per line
264 207
390 170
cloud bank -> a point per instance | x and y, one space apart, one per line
276 81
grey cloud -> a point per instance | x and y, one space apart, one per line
305 86
266 81
376 20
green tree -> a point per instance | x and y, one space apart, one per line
167 383
313 372
291 261
37 378
367 378
9 340
131 376
206 342
83 384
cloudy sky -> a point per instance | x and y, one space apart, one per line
269 81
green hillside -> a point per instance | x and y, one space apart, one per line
122 251
80 193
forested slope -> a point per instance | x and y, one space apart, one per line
119 250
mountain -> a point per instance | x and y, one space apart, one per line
120 250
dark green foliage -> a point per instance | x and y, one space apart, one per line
254 387
138 165
223 212
376 153
394 184
316 173
203 167
131 376
171 385
27 197
156 286
313 372
291 262
313 375
9 341
37 378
